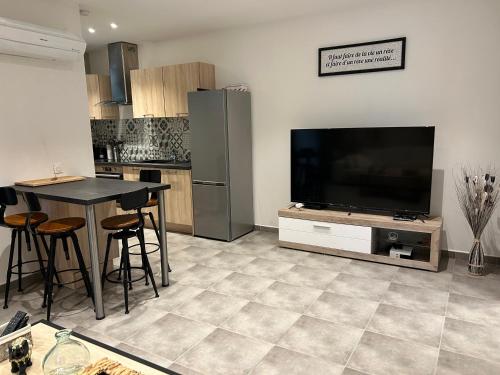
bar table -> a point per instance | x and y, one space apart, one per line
90 192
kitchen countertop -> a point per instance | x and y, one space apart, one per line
176 165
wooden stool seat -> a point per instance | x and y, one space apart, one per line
61 226
19 220
120 222
153 202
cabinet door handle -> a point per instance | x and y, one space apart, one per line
148 115
321 226
179 114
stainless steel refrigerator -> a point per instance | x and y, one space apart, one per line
221 159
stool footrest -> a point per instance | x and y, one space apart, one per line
121 281
147 252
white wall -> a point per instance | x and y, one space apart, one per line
43 107
451 81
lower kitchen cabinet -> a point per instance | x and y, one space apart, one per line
179 198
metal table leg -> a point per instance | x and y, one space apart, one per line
94 261
163 238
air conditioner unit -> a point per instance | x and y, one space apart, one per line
23 39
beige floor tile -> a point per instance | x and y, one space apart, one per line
457 364
382 355
266 268
178 334
241 285
195 254
183 370
250 248
226 260
307 276
474 286
175 295
200 276
326 262
342 309
431 280
407 324
319 338
350 371
143 354
280 361
475 310
285 255
372 270
135 321
288 297
472 339
415 298
359 287
224 352
211 307
261 322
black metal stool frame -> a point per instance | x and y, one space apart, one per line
8 197
130 201
47 297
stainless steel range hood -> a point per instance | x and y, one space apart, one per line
122 57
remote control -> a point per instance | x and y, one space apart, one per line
18 321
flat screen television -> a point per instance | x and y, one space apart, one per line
375 169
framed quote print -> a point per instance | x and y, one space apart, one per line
366 57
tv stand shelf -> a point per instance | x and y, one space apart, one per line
358 235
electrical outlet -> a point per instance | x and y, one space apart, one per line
58 168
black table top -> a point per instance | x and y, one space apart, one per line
90 191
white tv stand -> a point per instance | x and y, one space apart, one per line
358 235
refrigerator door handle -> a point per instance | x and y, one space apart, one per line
211 183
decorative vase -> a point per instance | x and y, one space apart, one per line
67 357
476 259
478 195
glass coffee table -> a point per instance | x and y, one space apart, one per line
43 338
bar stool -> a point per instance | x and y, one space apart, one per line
25 222
125 227
63 229
149 175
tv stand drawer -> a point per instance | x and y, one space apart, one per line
325 228
325 240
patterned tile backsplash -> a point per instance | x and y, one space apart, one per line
149 138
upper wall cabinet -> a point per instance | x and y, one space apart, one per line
147 92
180 79
99 90
162 92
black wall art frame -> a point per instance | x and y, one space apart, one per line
377 56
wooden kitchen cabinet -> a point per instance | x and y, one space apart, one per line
179 198
147 92
162 92
180 79
99 90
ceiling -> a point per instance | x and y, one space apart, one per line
153 20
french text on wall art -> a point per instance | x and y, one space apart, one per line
366 57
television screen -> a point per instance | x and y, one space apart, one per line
387 169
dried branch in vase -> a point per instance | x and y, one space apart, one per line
478 195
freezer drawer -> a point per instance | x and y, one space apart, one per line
211 211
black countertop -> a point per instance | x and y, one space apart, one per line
90 191
176 165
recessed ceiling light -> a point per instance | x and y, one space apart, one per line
91 30
113 25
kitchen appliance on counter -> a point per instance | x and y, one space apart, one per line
221 160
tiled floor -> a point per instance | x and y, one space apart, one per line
249 307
